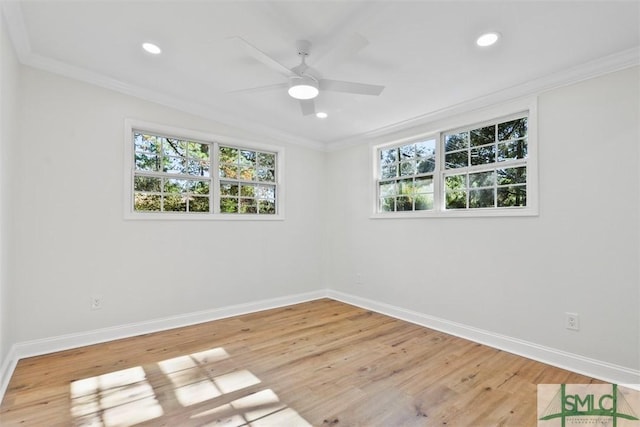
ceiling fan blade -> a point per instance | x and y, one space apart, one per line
264 58
351 87
308 107
259 88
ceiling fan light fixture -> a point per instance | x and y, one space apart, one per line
303 87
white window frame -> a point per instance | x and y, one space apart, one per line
470 120
132 125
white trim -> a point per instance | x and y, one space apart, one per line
42 346
608 64
6 370
20 40
554 357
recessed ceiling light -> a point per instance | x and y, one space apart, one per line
487 39
321 115
151 48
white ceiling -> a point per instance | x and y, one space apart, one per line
424 52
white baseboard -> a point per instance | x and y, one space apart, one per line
593 368
6 370
583 365
39 347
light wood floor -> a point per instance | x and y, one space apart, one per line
322 363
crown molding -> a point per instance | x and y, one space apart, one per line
20 40
608 64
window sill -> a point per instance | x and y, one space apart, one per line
200 217
476 213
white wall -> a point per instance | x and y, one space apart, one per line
71 240
516 276
8 107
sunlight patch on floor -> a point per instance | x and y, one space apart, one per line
127 397
118 398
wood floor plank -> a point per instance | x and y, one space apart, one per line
322 363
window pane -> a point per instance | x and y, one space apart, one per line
515 195
266 175
512 175
266 192
248 206
512 150
266 159
174 165
513 129
405 186
456 142
146 143
228 189
266 207
228 171
481 198
198 187
407 151
175 185
407 168
426 148
198 151
228 205
404 203
174 203
146 183
424 185
455 192
454 182
247 190
198 167
426 165
199 204
387 204
388 156
247 158
228 155
174 147
424 202
147 202
482 179
390 171
483 155
248 174
483 136
387 189
458 159
145 162
456 199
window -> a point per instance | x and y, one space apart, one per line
406 177
486 167
477 170
199 176
247 181
170 174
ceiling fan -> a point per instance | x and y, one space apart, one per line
305 83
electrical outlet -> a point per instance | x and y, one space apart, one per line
572 321
96 302
359 279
